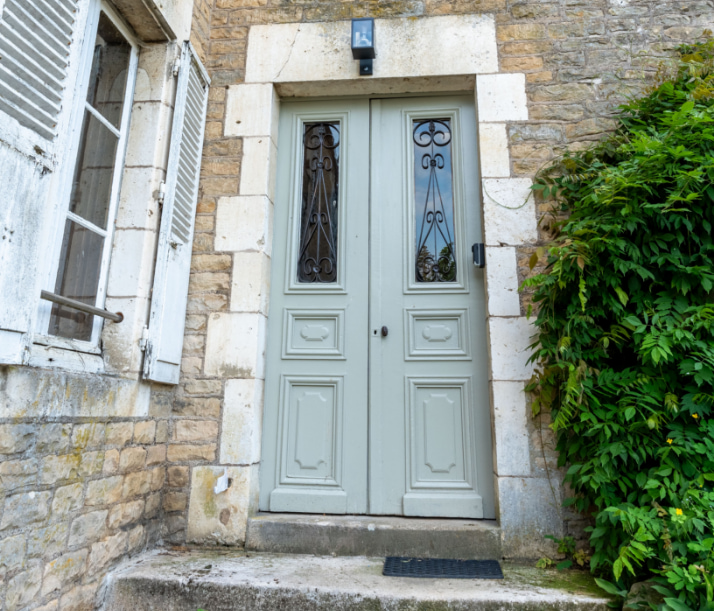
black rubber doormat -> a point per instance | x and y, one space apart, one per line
443 568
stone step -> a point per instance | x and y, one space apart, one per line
373 536
233 581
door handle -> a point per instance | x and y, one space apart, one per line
385 331
479 255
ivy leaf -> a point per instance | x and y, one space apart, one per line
533 261
710 192
677 605
565 564
687 107
617 568
622 295
610 588
582 293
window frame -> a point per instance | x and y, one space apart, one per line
76 99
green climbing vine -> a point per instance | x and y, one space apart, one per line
625 345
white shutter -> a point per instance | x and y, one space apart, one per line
35 41
162 362
24 189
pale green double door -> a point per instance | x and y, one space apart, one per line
376 396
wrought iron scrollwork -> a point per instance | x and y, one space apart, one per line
317 261
435 259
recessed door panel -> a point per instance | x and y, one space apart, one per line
312 435
438 439
314 334
442 333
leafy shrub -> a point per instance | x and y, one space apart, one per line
568 547
625 346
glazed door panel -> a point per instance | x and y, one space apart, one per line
315 414
430 435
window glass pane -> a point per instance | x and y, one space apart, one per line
92 184
434 201
107 82
317 260
77 278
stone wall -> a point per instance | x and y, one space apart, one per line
581 58
76 494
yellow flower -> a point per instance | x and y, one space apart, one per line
669 441
678 511
695 416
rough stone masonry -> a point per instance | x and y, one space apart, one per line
77 495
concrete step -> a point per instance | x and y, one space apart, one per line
232 581
373 536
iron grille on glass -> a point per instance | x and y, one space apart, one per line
434 201
317 260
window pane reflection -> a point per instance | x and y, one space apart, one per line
78 278
108 79
92 184
434 201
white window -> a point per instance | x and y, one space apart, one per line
90 178
68 70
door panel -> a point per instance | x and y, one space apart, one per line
377 206
430 450
315 420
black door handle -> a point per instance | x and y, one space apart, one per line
385 331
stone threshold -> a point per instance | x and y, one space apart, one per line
217 580
334 535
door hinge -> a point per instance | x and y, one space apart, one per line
162 193
176 66
144 338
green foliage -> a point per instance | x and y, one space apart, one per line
625 351
545 563
567 547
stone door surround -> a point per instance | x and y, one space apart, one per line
414 55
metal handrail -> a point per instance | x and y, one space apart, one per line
82 307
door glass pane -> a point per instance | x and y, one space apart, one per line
107 81
317 257
434 201
92 183
77 278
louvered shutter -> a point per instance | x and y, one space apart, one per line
162 362
36 38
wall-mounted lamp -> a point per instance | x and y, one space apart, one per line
363 44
